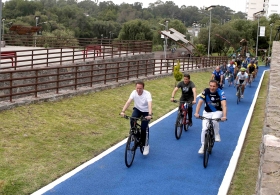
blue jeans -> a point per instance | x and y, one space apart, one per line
144 124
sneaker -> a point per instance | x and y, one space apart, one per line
146 150
201 150
190 123
217 138
242 96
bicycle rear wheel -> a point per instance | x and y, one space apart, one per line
207 149
130 150
179 126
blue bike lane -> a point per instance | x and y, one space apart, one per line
172 166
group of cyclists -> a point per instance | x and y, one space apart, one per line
237 72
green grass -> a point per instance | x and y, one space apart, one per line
41 142
244 180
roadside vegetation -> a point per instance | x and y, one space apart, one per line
41 142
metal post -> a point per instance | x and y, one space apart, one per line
36 24
209 9
257 37
258 14
3 20
270 39
209 35
166 29
101 38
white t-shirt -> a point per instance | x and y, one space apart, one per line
141 101
241 76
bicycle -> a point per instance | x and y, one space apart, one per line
182 119
239 93
133 140
250 79
209 138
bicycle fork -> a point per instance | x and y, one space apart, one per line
147 137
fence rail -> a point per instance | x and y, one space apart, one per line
34 81
33 58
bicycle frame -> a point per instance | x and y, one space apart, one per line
239 92
209 138
133 141
182 118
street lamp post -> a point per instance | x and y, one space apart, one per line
36 24
165 38
209 9
258 14
101 38
270 39
3 21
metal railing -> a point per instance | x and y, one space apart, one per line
33 58
34 81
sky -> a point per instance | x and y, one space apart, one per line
235 5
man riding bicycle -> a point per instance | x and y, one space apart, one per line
251 68
142 107
241 79
218 75
215 107
188 94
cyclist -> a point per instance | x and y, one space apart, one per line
215 107
230 70
188 94
251 68
241 79
224 68
218 75
142 107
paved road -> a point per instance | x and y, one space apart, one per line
172 167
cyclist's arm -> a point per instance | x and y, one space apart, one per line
224 107
236 79
150 110
126 106
221 78
198 106
212 77
173 93
194 95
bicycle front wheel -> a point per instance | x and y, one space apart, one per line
207 149
187 123
238 95
178 126
130 150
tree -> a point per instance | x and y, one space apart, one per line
136 30
178 75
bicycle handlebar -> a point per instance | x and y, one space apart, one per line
210 119
176 101
135 118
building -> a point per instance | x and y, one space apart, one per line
269 6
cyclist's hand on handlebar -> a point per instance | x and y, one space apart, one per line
122 114
194 102
148 117
171 99
196 115
224 118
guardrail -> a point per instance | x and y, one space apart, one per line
32 82
46 57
